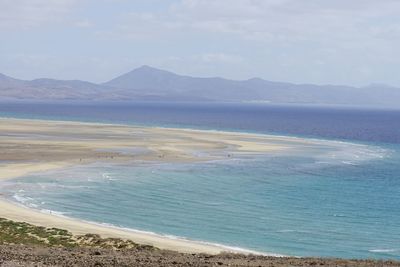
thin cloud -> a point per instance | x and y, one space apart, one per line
26 14
269 20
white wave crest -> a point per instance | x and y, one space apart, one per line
390 250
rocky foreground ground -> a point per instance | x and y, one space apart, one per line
23 255
22 244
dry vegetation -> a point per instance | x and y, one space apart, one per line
23 244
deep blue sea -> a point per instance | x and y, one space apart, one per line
338 199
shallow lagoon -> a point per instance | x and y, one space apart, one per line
339 202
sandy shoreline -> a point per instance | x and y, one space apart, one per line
35 146
15 212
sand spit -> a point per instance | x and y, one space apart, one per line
29 146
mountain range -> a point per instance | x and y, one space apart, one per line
151 84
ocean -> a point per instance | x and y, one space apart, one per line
341 202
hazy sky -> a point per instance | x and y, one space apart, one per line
353 42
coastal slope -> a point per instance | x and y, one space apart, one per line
23 244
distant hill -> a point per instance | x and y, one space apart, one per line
151 84
47 89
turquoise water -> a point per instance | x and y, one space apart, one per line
337 201
333 199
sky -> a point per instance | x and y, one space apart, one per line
353 42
